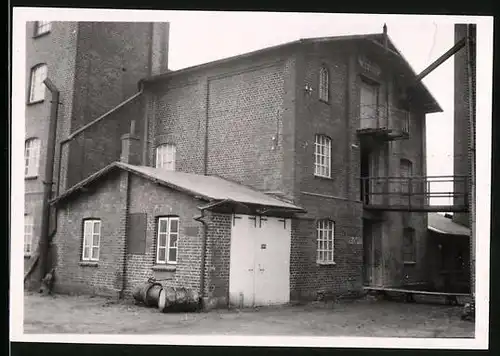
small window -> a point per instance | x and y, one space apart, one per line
91 240
324 84
409 245
165 157
325 237
37 87
28 235
322 156
42 27
31 157
168 235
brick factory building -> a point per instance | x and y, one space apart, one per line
242 177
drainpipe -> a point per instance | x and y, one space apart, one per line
205 170
43 243
201 220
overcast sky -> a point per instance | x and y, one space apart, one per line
200 37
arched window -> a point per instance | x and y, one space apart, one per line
325 231
165 157
37 88
322 156
31 157
324 84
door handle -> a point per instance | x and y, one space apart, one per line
250 269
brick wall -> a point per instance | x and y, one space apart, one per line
218 258
326 119
100 145
306 276
111 58
57 50
106 201
155 201
33 207
244 103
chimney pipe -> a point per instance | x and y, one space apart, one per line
131 150
385 36
43 244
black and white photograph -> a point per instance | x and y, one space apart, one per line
250 178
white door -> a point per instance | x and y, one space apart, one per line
272 260
242 262
260 261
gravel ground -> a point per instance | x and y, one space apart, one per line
94 315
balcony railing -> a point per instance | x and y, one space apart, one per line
389 124
426 194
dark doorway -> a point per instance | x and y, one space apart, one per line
368 252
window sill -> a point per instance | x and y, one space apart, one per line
327 102
35 102
38 35
323 263
30 177
323 177
164 268
409 263
27 257
88 263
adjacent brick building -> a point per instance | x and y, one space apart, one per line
299 122
95 66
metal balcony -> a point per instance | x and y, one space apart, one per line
419 194
378 123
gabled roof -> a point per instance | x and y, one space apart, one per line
431 104
208 188
443 225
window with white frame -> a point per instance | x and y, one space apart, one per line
91 239
165 157
31 157
324 84
325 230
322 156
42 27
28 234
37 87
168 235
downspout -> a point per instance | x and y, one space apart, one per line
205 169
145 136
43 243
204 238
201 220
125 247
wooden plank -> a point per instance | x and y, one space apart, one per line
136 233
410 291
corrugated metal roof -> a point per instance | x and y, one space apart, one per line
443 225
206 187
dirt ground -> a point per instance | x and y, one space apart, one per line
365 317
